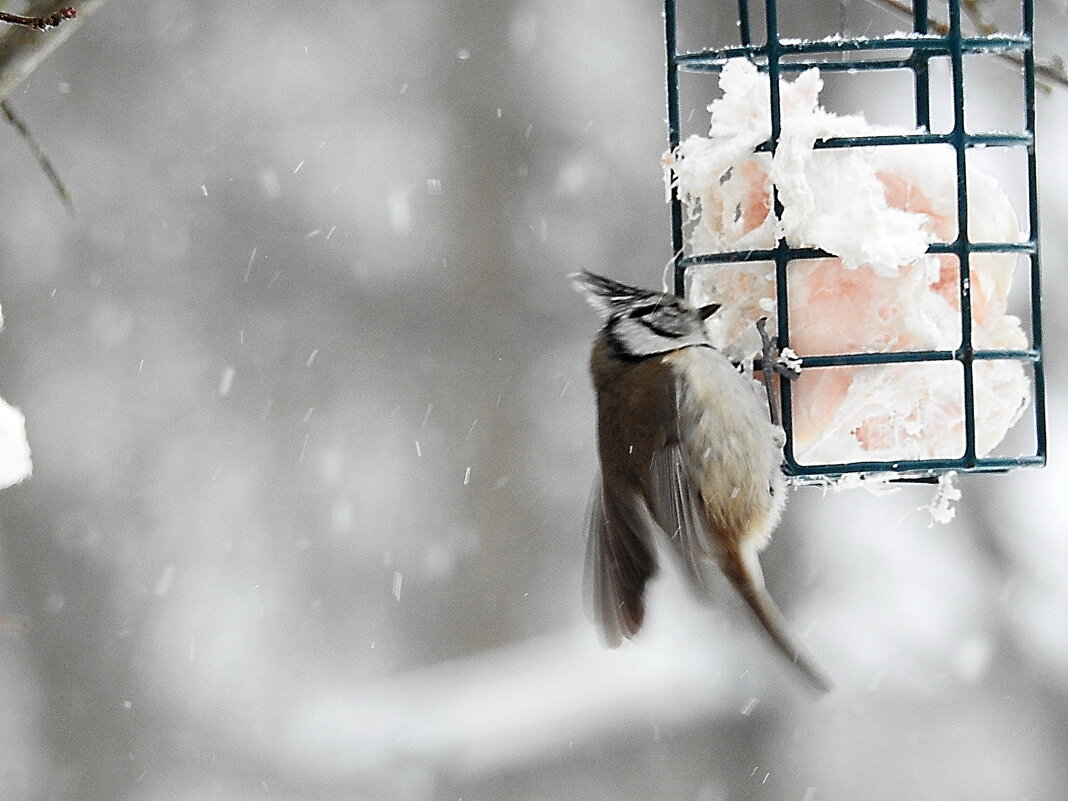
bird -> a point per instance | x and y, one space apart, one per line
688 452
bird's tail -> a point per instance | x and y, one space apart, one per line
745 574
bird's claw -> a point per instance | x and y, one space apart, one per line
786 363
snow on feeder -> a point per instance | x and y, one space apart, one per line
883 255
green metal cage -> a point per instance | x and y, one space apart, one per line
780 55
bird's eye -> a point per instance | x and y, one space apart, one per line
642 311
707 311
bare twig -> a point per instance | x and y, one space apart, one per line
39 154
39 23
1054 71
975 14
23 49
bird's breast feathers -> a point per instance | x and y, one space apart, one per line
729 443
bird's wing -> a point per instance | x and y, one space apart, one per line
620 560
676 504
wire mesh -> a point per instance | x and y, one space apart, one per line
780 55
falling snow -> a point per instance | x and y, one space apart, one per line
313 439
226 381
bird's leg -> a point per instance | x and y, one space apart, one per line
772 361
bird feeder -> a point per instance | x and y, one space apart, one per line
888 257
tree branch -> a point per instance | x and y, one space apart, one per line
39 154
23 49
1051 71
39 23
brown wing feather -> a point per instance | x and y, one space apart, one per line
620 560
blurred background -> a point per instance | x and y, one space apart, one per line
305 385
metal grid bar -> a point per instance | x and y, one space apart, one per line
1032 217
779 56
930 44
